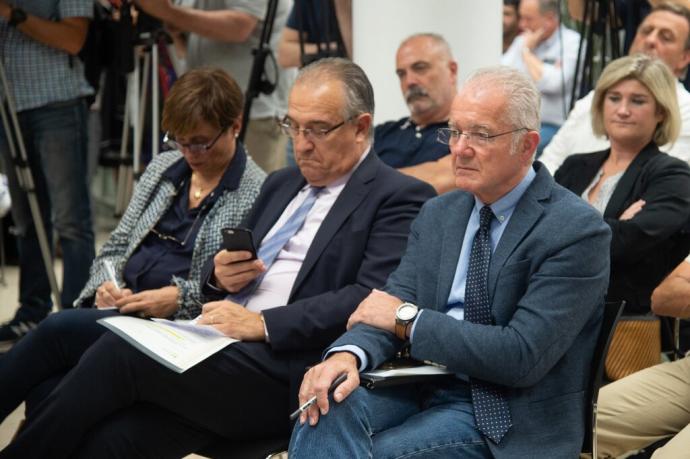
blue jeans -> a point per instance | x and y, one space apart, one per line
56 147
429 421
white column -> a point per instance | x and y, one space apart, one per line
472 27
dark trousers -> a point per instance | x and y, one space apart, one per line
118 402
36 363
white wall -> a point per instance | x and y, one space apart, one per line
472 27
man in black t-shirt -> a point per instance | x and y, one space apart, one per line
326 31
427 74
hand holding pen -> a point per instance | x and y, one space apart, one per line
109 292
338 375
312 400
110 271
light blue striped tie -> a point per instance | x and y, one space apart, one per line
269 250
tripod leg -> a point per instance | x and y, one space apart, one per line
124 169
139 127
155 130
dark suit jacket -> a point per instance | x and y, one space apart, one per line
357 246
546 286
647 247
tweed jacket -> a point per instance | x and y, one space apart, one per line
152 197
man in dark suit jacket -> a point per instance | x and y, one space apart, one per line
512 307
119 402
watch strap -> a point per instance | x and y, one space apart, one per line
401 329
408 325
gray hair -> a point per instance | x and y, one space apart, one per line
437 40
523 100
359 94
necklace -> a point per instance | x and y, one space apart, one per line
199 190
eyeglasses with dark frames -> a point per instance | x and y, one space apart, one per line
450 136
311 134
195 148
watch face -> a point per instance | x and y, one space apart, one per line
406 312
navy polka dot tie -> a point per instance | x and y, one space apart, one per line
491 410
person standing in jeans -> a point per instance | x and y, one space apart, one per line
39 41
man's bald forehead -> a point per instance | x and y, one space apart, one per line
428 39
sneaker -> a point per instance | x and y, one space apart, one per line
12 331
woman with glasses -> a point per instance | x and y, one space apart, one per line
642 193
151 264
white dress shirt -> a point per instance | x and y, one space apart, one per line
558 69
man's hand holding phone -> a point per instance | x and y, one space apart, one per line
237 265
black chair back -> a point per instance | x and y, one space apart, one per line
612 311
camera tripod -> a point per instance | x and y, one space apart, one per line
143 78
598 25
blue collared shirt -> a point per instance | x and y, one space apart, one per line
503 210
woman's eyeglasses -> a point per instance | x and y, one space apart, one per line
195 148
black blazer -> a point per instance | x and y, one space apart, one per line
647 247
358 245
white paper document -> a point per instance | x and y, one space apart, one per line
179 345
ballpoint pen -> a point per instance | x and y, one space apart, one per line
311 401
111 273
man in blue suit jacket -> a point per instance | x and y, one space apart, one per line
522 362
120 403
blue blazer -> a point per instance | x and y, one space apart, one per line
547 280
358 245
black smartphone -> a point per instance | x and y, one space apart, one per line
235 239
